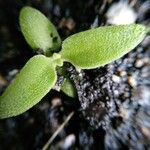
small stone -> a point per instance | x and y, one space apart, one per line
95 23
78 70
57 88
139 63
116 92
122 73
126 95
121 13
146 41
67 23
146 61
13 72
56 102
3 81
124 113
116 78
146 132
69 141
132 82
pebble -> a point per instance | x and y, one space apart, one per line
69 141
67 23
13 72
144 10
56 102
139 63
146 132
116 92
122 73
3 81
124 113
116 78
126 95
121 13
57 88
132 81
146 41
95 23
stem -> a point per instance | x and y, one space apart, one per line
57 59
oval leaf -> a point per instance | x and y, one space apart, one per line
68 88
38 31
100 46
34 81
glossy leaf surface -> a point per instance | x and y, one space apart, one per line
100 46
33 82
38 31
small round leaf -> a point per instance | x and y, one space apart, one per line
33 82
100 46
38 31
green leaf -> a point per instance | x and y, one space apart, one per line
38 31
100 46
34 81
68 88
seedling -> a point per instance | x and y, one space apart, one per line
85 50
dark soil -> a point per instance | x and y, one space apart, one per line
112 109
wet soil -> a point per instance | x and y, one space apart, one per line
112 108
